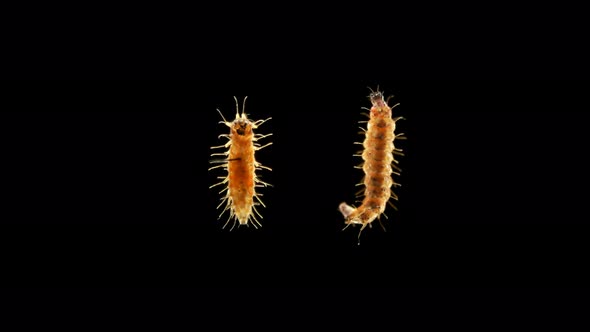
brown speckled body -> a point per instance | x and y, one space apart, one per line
378 159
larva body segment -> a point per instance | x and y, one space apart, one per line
241 180
378 165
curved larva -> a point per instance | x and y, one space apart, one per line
378 165
241 181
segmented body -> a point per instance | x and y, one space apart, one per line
241 180
378 165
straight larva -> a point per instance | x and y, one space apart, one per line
241 180
379 164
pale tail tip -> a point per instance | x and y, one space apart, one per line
345 209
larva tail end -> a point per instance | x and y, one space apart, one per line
346 209
243 218
351 214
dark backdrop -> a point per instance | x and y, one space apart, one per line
105 184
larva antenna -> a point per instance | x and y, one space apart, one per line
373 92
237 108
244 108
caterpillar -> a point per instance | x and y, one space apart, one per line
379 164
241 180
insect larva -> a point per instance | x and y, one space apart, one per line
378 165
241 181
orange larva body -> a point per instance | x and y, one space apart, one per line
241 174
378 165
241 166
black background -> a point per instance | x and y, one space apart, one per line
106 185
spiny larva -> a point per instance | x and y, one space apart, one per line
241 179
379 164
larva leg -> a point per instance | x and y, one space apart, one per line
380 223
256 211
360 232
218 184
218 166
256 222
260 136
264 167
260 201
259 123
264 184
226 145
264 146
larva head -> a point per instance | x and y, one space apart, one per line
241 126
377 100
376 96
